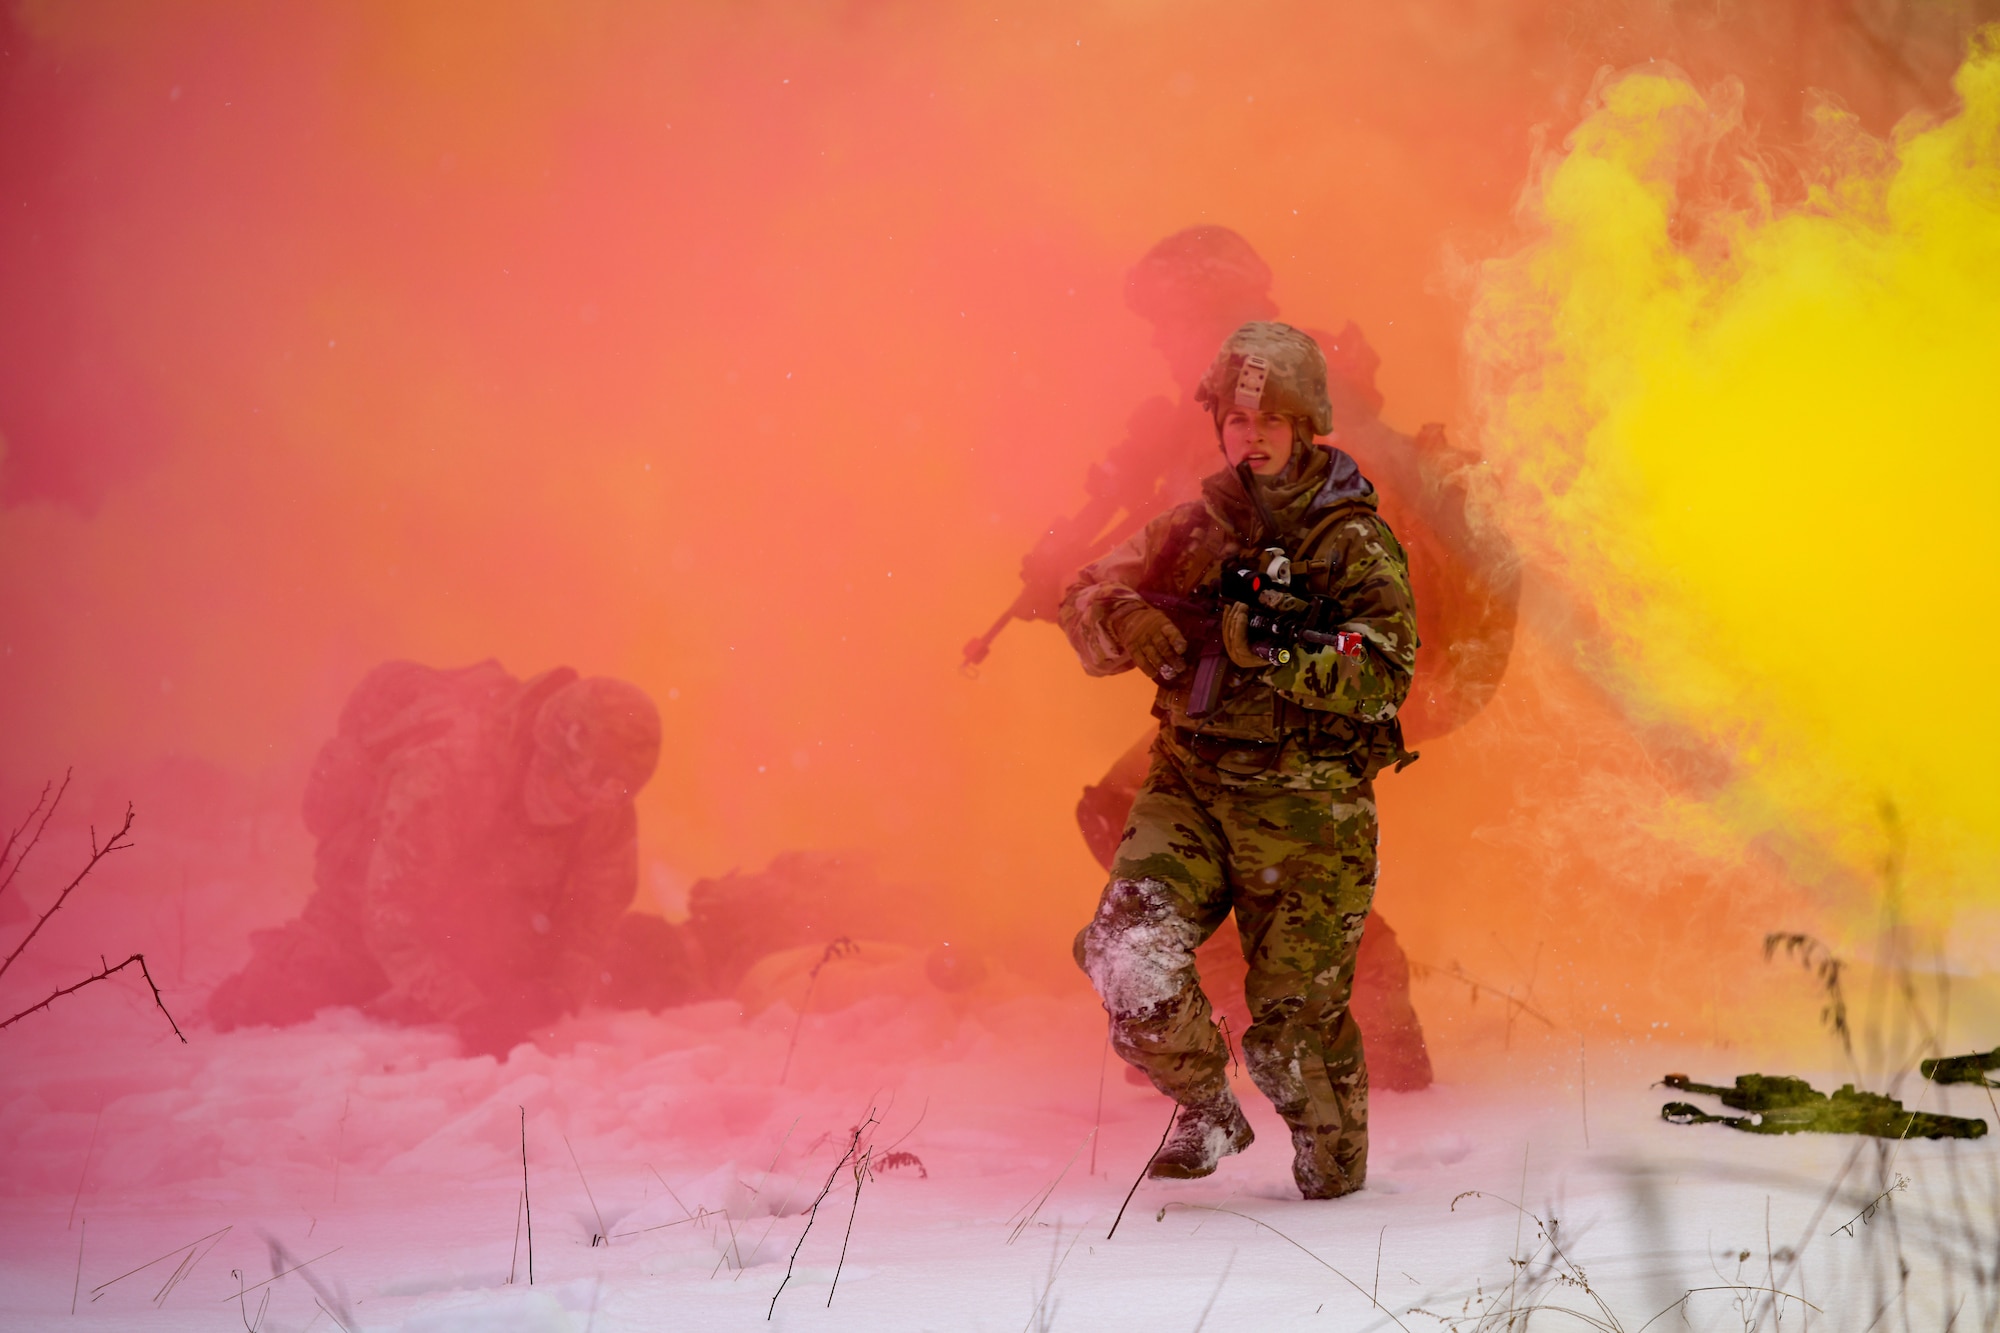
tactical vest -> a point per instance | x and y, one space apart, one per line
1249 714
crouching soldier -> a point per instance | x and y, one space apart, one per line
1276 617
478 850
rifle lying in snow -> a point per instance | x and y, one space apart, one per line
1963 1068
1778 1105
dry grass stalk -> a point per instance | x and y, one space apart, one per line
1370 1296
1043 1197
76 1283
1042 1317
841 947
527 1207
249 1325
213 1236
514 1255
1422 971
602 1236
333 1304
84 1174
243 1291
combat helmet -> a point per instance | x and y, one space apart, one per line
1269 367
1202 272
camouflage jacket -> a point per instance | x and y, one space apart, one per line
1324 720
428 863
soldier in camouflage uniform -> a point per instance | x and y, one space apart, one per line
1263 804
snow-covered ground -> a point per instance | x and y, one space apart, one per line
394 1167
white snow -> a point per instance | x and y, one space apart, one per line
395 1167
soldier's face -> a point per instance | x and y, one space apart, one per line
1261 439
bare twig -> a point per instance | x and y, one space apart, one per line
853 1144
1142 1173
1861 1218
115 843
15 836
861 1177
103 973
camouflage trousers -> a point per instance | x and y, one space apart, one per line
1298 869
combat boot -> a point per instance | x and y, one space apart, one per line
1203 1134
1326 1166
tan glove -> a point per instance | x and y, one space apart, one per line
1150 639
1236 637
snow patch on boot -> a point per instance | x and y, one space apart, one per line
1202 1137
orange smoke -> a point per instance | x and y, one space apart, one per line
738 352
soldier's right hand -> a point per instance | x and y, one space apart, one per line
1155 646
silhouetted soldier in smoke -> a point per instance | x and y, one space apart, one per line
478 850
1195 288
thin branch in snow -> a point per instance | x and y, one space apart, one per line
115 843
1142 1172
104 973
861 1176
12 838
853 1142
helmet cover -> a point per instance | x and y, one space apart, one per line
1269 367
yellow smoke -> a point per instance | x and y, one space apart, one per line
1759 440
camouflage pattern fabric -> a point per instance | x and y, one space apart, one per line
1298 869
1319 722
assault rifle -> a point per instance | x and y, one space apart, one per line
1275 620
1963 1068
1274 615
1778 1105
